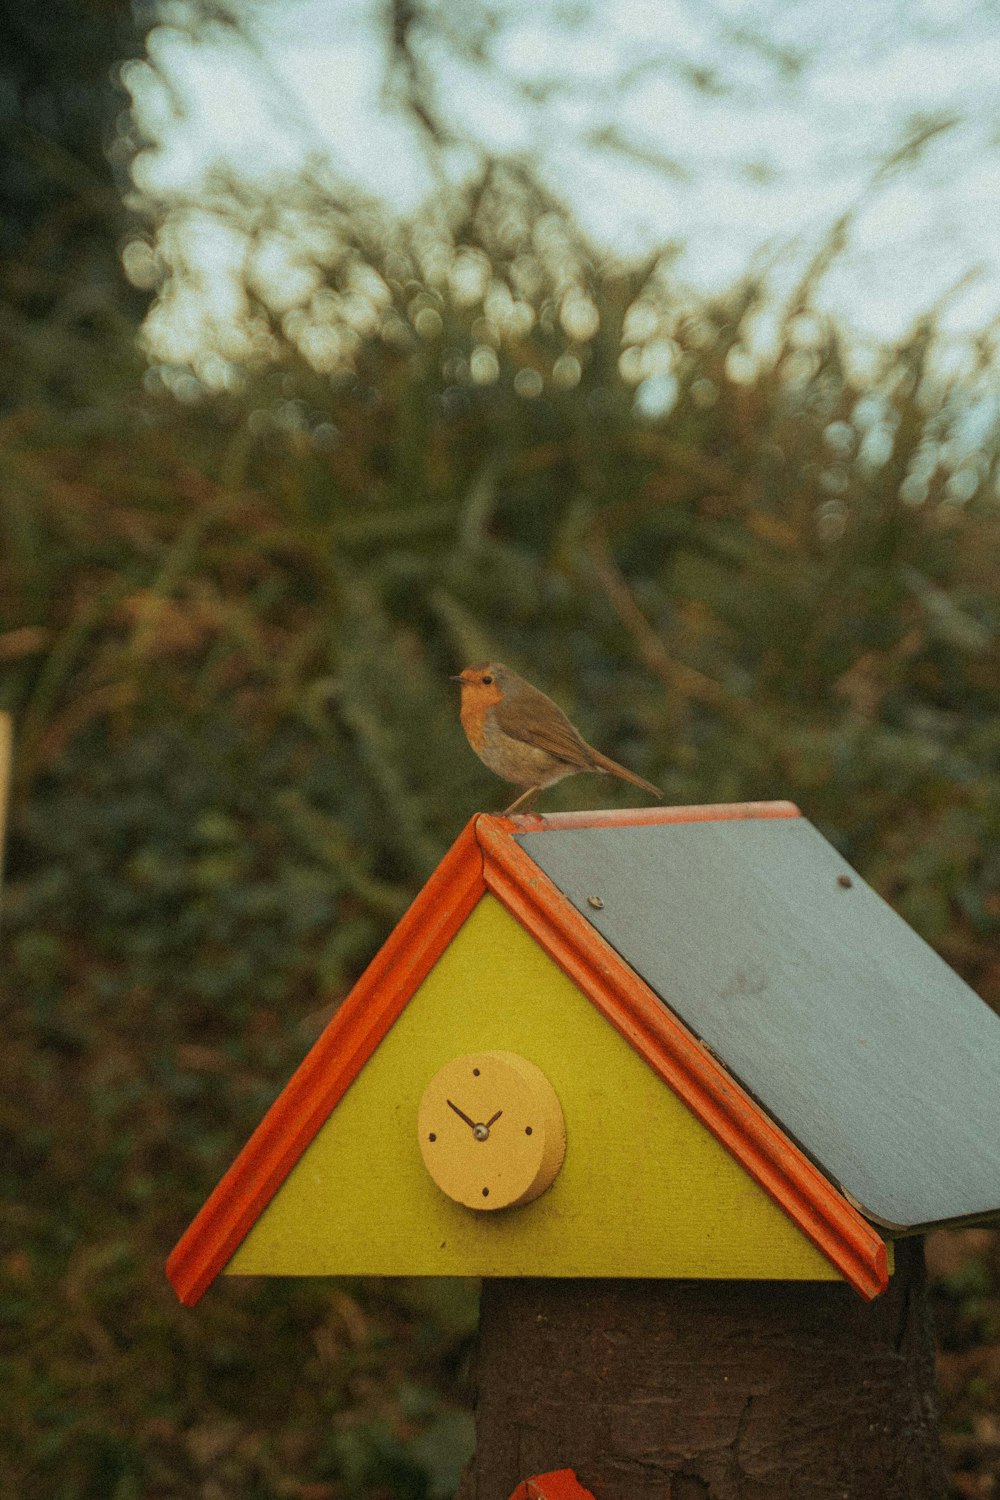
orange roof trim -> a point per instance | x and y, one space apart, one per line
487 857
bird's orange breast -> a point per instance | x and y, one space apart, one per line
477 700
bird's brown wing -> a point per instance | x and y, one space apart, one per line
531 717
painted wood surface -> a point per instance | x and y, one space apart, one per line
851 1032
682 1062
559 1484
328 1069
645 1190
486 857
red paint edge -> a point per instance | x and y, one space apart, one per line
685 1065
559 1484
639 817
485 856
330 1067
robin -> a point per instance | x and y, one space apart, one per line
524 737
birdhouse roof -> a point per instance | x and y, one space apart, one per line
820 1040
850 1031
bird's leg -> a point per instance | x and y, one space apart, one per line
524 801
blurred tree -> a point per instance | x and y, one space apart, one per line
62 296
656 135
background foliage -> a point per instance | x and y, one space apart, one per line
228 609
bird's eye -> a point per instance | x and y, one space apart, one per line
487 679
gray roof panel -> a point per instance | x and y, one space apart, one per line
846 1026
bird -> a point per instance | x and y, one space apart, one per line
524 737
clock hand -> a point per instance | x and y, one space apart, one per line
461 1114
493 1118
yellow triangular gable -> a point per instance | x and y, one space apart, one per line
645 1189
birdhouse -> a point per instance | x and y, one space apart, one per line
683 1043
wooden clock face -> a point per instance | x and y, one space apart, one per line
491 1130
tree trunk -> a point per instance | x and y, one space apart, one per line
708 1390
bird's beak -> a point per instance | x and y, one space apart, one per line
459 678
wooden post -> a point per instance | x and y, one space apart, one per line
709 1390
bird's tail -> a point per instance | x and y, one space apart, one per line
612 768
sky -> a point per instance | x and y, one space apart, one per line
752 127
